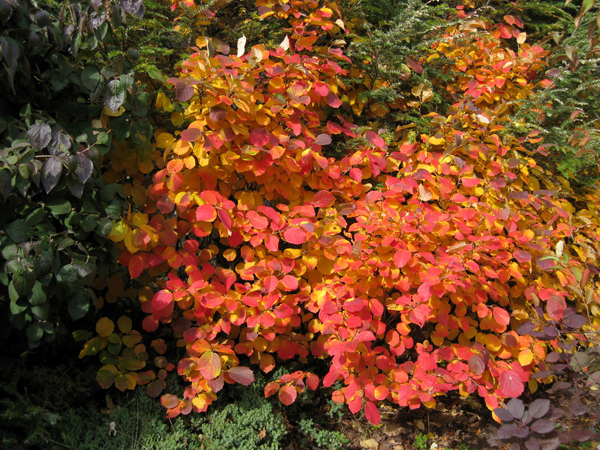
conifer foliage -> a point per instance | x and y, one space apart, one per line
406 264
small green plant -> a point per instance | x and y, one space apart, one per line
332 440
420 441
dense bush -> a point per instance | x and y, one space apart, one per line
407 262
378 207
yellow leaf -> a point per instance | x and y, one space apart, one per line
525 357
163 102
124 324
438 139
163 140
325 266
105 327
533 385
110 113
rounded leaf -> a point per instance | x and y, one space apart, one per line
105 327
287 394
242 375
510 384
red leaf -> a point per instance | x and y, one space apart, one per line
355 404
401 258
259 137
206 213
355 305
476 364
323 139
290 282
321 88
225 218
136 266
242 375
161 300
374 139
312 381
414 65
169 401
333 100
372 413
295 235
271 283
150 324
272 243
510 384
288 394
556 307
522 256
155 388
191 134
209 365
501 316
323 199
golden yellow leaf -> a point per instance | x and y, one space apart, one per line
105 327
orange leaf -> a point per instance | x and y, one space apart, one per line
287 394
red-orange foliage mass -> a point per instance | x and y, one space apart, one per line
406 265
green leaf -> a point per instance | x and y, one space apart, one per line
106 357
64 243
35 217
24 282
59 207
11 251
156 74
42 312
114 95
91 78
67 275
17 232
82 335
79 304
34 332
104 227
6 177
37 296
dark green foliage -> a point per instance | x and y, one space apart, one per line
57 211
250 422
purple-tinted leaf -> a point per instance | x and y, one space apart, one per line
133 7
75 187
511 430
532 443
542 374
560 385
85 168
543 426
579 361
556 413
551 443
525 328
39 135
582 435
51 172
476 364
59 144
577 408
545 264
539 408
550 331
516 407
553 357
575 321
503 414
565 436
514 446
191 134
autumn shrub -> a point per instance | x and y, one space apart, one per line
405 264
